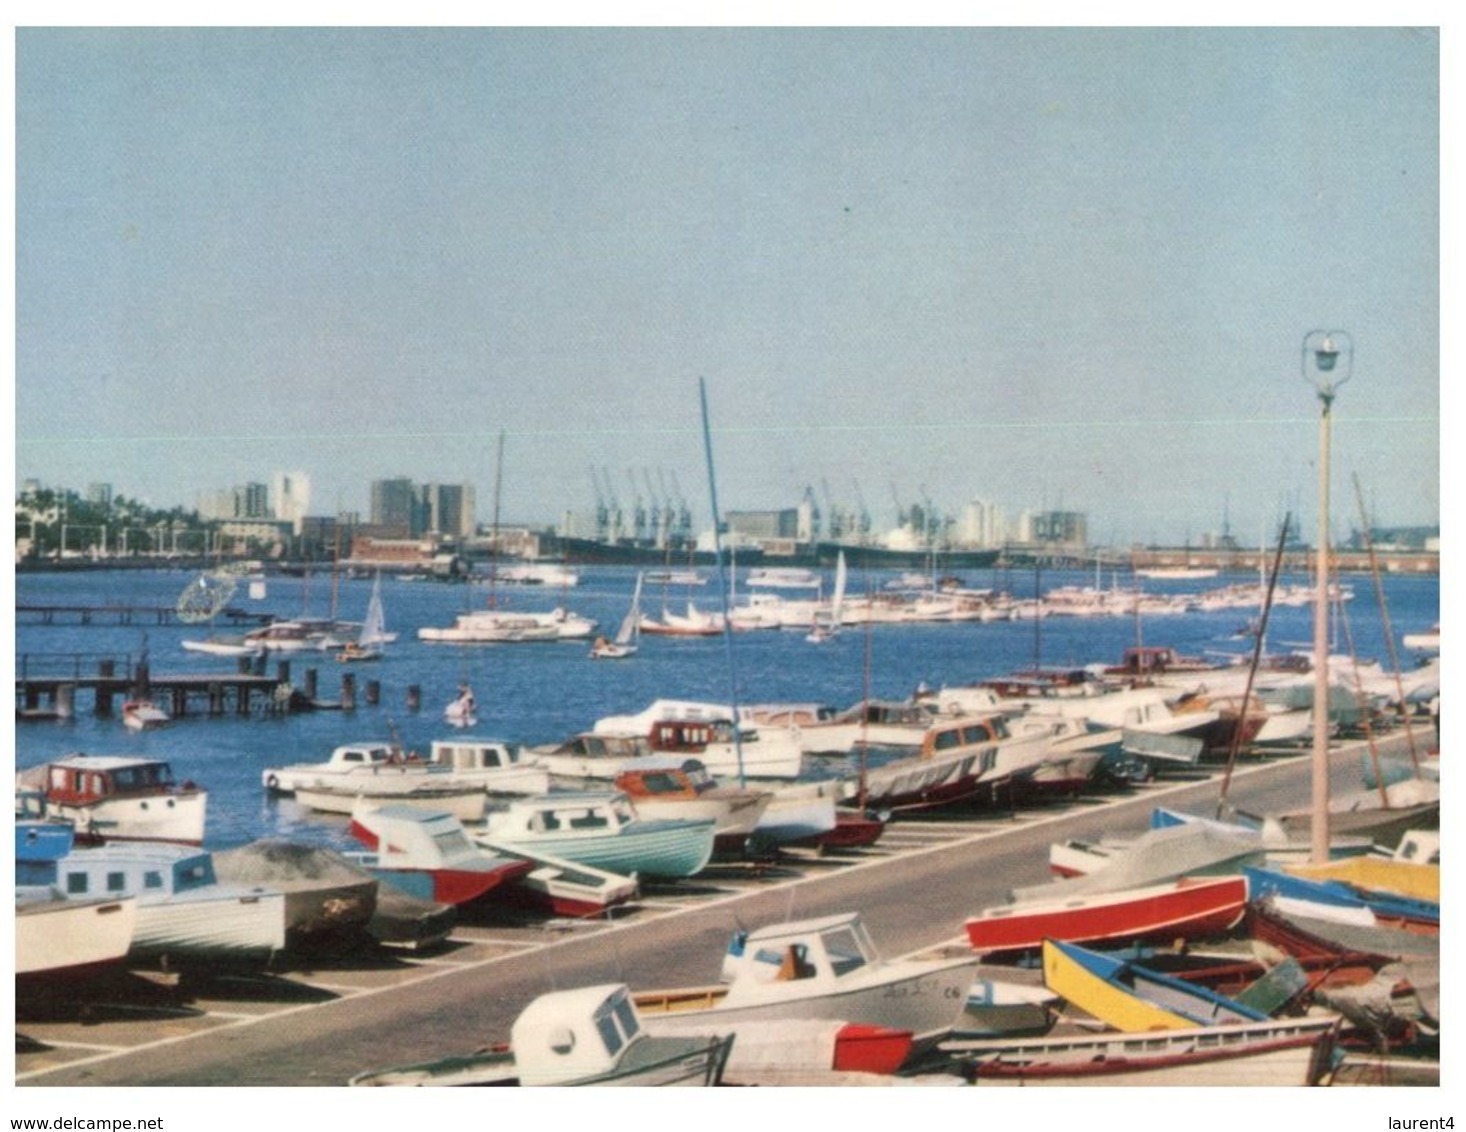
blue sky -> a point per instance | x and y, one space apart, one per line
1045 267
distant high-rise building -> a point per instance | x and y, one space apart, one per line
291 493
449 508
395 504
100 494
252 501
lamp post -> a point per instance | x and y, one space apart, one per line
1328 357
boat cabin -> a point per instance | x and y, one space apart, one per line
596 746
1150 659
948 736
411 837
150 872
81 780
571 1035
665 778
475 754
826 949
694 735
591 814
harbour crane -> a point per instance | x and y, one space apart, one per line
638 512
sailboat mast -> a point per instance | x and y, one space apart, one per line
494 546
707 440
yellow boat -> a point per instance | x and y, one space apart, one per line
1376 874
1132 998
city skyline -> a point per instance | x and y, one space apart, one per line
1054 268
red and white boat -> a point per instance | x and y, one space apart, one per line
1189 907
428 855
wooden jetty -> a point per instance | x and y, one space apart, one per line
33 614
47 687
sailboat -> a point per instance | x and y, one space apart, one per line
368 644
825 630
627 636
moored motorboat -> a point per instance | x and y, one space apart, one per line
144 715
120 798
467 802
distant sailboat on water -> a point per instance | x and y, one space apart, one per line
823 629
627 637
374 635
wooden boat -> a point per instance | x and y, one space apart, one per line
1131 998
1156 856
56 936
827 968
600 830
1413 804
567 888
1352 929
120 798
1000 1008
1375 875
1294 1051
955 763
1400 911
673 787
144 715
587 1036
1184 908
1327 962
184 914
328 900
428 855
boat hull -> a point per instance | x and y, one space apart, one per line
654 849
71 937
1183 909
1291 1052
177 818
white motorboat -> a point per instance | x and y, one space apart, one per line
120 798
183 912
144 715
57 936
706 731
586 1036
494 626
825 968
465 801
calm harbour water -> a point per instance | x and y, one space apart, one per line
543 693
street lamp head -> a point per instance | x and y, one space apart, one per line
1327 360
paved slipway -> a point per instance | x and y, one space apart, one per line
913 901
